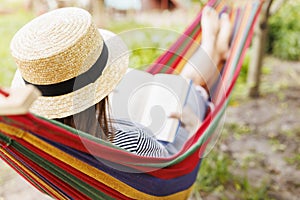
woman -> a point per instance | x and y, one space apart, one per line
76 66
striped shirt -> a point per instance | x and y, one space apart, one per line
137 139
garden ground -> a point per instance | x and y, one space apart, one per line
259 142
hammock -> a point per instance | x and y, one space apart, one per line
68 164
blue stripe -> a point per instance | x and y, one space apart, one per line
55 187
143 182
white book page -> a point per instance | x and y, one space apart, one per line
147 99
128 99
168 94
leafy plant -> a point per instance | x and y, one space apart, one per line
284 31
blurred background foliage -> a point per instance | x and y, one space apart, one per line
145 41
283 36
284 32
9 24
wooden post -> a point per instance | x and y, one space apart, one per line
164 4
258 50
98 12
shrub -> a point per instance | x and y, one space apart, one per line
284 31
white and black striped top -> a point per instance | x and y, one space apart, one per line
137 139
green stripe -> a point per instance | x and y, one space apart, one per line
207 133
81 134
242 43
8 142
179 51
5 139
183 45
17 168
61 174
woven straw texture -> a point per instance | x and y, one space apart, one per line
61 45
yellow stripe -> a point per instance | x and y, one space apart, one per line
188 54
238 40
87 169
39 181
235 47
227 62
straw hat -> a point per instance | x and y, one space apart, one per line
74 64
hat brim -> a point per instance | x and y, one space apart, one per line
81 99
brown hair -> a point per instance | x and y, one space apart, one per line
94 120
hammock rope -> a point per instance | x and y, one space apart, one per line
68 164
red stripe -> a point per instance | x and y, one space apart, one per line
62 136
192 41
243 53
164 58
52 178
89 180
5 94
181 168
183 53
164 173
28 177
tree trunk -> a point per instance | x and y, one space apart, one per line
258 50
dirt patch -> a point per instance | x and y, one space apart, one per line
272 146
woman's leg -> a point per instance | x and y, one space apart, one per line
222 46
202 68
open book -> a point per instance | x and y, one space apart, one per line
149 99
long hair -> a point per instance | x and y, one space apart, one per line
95 120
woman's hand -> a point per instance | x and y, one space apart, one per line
188 119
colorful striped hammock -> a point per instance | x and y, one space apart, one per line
68 164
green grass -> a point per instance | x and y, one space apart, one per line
214 172
238 130
215 177
294 160
9 25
